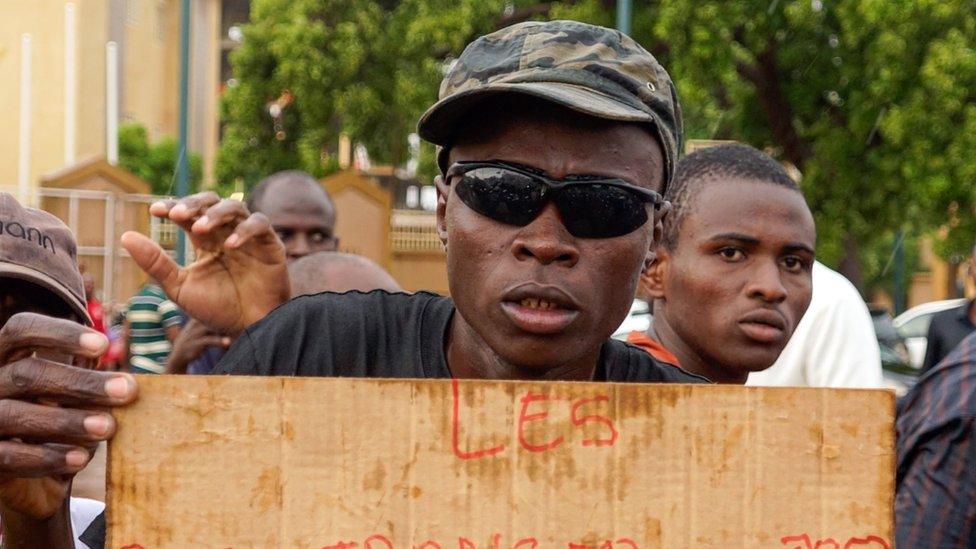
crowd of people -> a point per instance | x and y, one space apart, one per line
561 197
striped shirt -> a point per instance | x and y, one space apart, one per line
150 313
935 505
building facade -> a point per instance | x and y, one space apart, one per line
63 97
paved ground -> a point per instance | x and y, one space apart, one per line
90 482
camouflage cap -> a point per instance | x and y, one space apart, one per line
594 70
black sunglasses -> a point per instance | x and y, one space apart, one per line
590 206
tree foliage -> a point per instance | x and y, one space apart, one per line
368 68
873 101
155 163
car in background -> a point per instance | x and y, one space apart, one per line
896 367
638 320
913 326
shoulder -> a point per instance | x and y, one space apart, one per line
331 301
945 393
625 362
309 312
147 296
833 290
949 315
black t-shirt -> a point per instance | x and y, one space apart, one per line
379 334
382 334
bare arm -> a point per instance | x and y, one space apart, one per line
23 531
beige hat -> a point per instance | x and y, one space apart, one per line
37 247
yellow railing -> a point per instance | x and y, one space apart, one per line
414 231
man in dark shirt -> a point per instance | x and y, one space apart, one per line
935 505
950 327
557 140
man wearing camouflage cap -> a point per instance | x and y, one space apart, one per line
557 140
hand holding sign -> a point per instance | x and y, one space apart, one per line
48 428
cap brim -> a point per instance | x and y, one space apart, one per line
13 270
439 123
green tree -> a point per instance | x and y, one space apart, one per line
367 68
873 101
155 163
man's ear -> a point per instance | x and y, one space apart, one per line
653 280
443 192
658 234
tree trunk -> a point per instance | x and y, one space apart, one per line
850 264
764 76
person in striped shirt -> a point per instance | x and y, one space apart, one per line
153 322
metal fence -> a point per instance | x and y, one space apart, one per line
414 231
79 210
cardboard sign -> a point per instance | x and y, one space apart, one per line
439 464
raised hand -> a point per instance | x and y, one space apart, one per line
239 274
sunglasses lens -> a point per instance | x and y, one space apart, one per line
501 194
600 211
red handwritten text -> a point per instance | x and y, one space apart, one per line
377 541
534 408
803 541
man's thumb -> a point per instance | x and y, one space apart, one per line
154 260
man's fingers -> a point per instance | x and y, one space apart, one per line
19 459
37 378
31 331
188 207
220 214
37 422
184 211
161 208
216 341
257 228
150 257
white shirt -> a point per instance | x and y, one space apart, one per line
83 512
833 346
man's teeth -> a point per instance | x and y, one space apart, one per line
535 303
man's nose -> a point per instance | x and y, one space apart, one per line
546 240
766 283
298 245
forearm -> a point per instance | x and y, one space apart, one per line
54 532
177 363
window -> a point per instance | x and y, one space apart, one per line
412 200
917 327
428 198
131 8
163 231
160 26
